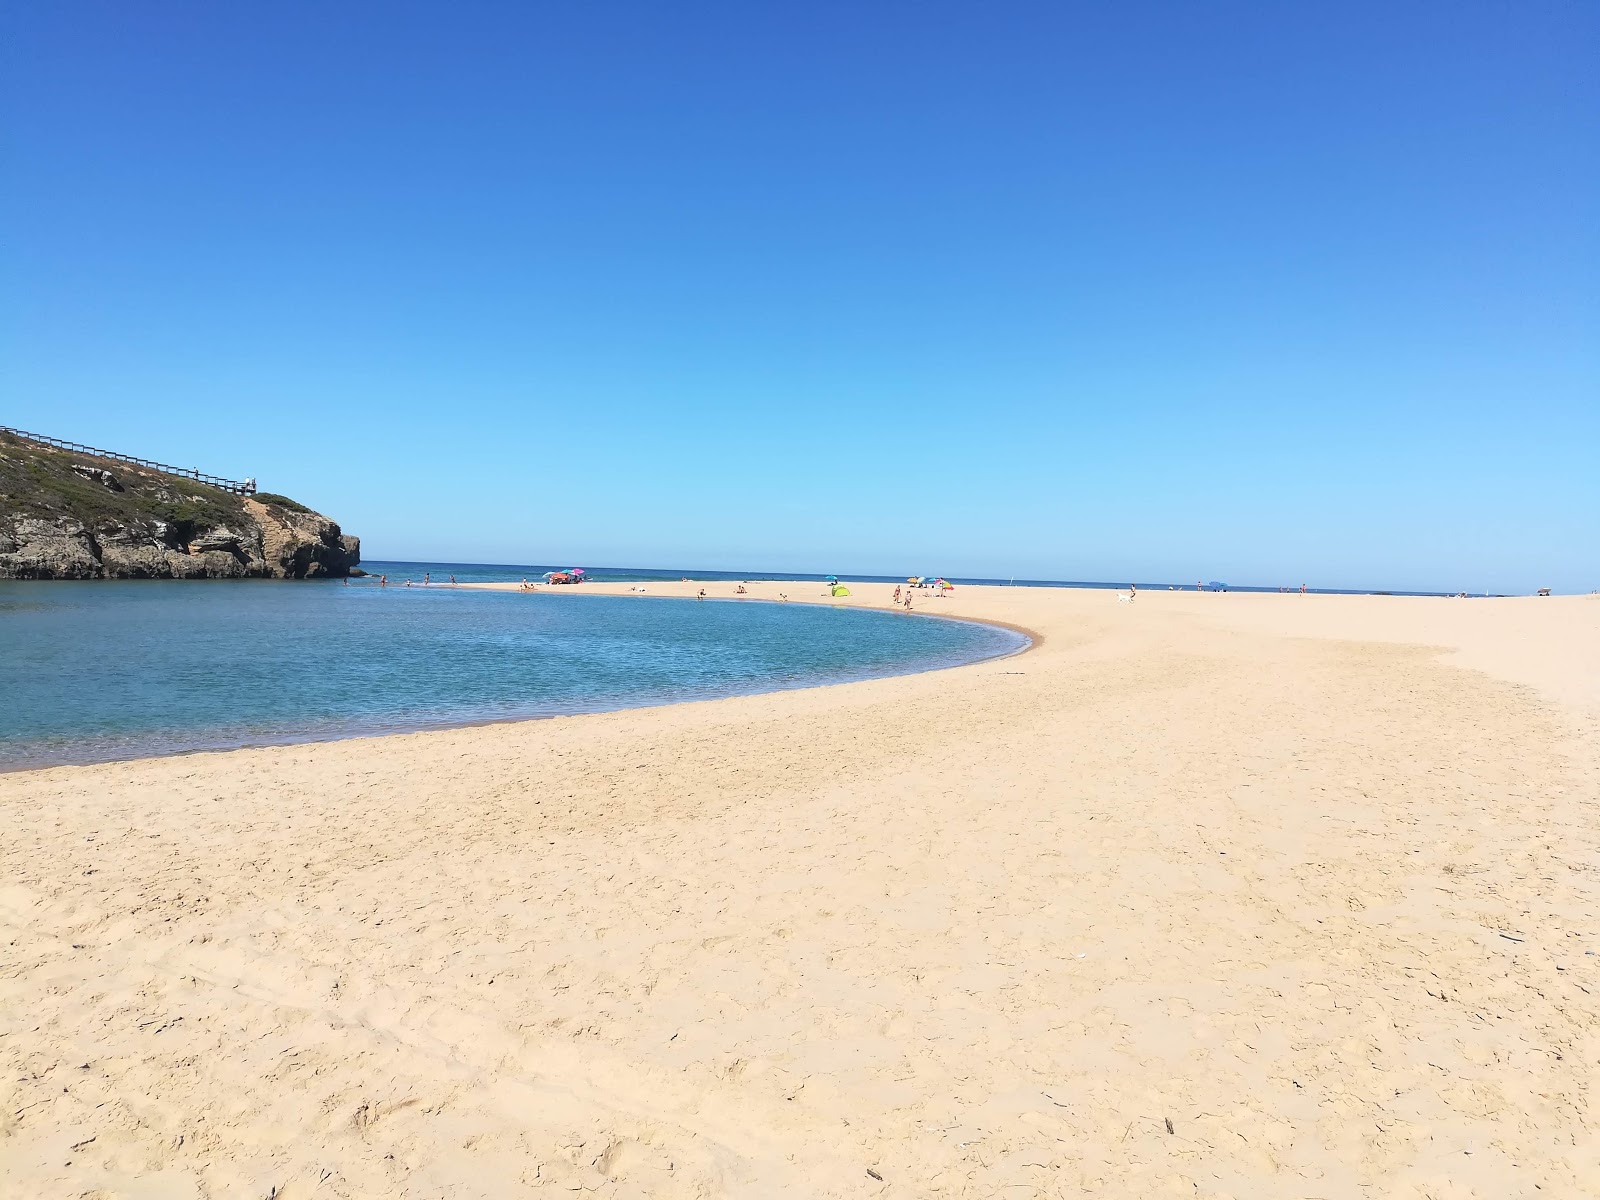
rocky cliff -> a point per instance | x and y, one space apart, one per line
73 516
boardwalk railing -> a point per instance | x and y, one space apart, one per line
238 488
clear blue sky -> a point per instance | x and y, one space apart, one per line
1268 293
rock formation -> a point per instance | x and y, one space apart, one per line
73 516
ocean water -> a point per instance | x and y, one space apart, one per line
111 670
398 572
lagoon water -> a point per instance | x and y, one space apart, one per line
110 670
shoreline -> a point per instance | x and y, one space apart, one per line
1306 881
407 729
1035 638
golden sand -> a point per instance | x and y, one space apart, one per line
1206 895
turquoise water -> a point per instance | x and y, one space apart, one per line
99 671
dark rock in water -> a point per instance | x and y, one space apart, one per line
61 518
356 573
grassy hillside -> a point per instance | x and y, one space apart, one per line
38 481
68 515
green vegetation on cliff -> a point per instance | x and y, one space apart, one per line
39 480
65 515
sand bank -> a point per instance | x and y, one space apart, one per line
1206 895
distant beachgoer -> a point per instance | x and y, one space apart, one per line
908 599
427 578
452 581
897 593
1198 586
1302 589
702 594
383 581
1133 589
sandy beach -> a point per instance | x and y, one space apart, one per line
1205 895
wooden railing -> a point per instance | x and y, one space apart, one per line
238 488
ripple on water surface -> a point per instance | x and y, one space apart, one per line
98 671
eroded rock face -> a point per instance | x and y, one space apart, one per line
99 475
139 524
302 545
61 548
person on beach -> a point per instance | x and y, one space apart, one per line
383 581
897 593
427 578
452 581
908 599
702 594
1302 589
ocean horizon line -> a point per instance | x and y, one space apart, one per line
512 572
